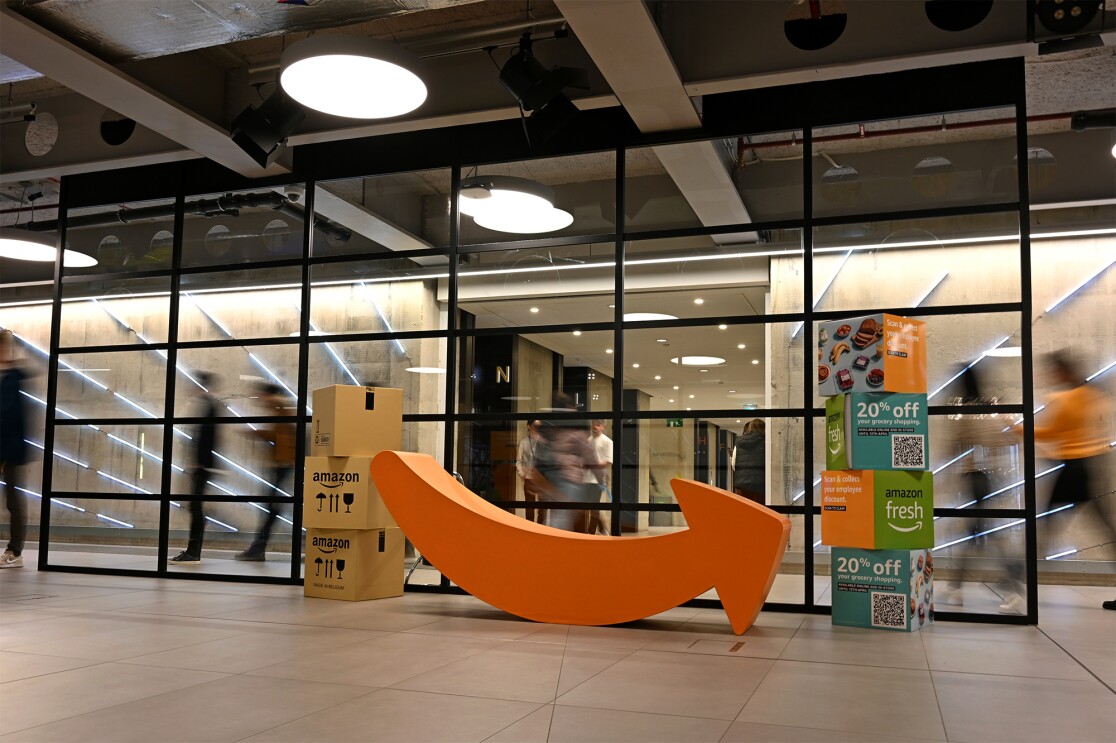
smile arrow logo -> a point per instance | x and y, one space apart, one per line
550 575
916 527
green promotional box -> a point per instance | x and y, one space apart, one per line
883 589
876 431
881 509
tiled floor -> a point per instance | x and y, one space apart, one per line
94 658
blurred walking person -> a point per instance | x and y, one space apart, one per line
562 456
204 442
525 468
749 478
281 436
13 449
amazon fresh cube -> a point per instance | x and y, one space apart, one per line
876 431
873 353
883 589
338 493
353 421
883 509
353 565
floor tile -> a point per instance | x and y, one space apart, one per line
1098 657
847 698
521 671
751 732
380 662
16 666
386 615
614 637
672 684
495 625
583 725
581 664
227 709
45 699
715 639
534 728
857 646
1006 657
983 708
394 715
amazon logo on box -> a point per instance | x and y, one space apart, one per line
882 509
873 353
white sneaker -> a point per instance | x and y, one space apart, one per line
1014 605
11 560
950 596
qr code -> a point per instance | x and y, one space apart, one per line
908 452
889 610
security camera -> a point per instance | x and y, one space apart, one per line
294 194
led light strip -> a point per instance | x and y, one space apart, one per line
383 317
1083 284
998 528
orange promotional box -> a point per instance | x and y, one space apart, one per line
873 353
877 509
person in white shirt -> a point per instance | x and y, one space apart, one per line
525 468
597 480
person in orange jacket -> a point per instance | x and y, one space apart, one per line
281 436
1075 431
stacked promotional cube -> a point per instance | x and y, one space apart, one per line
877 498
354 550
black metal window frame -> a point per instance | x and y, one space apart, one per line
800 108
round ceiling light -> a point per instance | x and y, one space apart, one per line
646 316
506 204
352 76
22 245
698 360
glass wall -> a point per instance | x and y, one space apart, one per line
568 366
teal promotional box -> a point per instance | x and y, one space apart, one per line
876 431
883 589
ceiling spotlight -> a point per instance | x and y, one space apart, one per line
646 316
262 132
507 204
660 340
722 327
577 332
675 386
534 310
539 90
24 245
608 350
671 400
691 397
657 377
699 300
741 346
703 371
698 360
755 361
352 76
635 366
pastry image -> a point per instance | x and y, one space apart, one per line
861 362
844 380
867 333
926 597
913 600
880 350
823 372
875 377
921 614
918 583
823 337
843 331
931 612
838 351
919 563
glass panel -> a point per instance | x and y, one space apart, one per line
713 367
118 534
954 159
121 311
385 213
238 372
734 180
108 459
120 384
415 365
539 286
693 277
123 238
976 463
240 304
261 224
520 373
581 187
381 296
26 312
912 263
979 565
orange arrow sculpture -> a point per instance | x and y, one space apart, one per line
550 575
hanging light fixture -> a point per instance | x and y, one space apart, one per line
23 245
352 76
507 204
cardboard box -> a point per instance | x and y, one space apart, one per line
354 565
883 589
873 353
338 493
876 431
356 421
882 509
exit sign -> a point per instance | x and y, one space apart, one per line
674 422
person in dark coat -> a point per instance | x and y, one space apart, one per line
748 475
13 448
204 441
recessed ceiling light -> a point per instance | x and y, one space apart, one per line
703 370
689 408
699 300
698 360
731 391
741 346
657 377
635 366
691 397
755 361
577 332
737 420
352 76
612 306
670 400
534 310
608 350
646 316
675 386
660 340
426 369
722 327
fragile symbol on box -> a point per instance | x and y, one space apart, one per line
335 502
324 568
